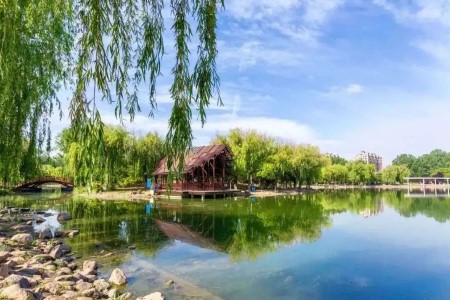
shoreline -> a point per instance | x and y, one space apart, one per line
142 194
40 265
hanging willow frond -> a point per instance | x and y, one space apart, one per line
36 39
117 45
119 38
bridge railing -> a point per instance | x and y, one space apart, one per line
37 180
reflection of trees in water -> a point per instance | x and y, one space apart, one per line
365 202
435 208
244 229
247 229
114 225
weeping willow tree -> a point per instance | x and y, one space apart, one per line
116 45
35 44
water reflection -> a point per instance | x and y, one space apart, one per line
339 245
243 229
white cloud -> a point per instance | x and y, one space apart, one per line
318 11
354 89
251 53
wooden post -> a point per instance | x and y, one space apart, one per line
214 174
223 172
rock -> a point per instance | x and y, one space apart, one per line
22 228
15 292
46 234
72 233
63 217
113 293
72 266
66 278
42 258
118 277
89 267
22 238
84 298
54 297
4 270
18 260
58 287
102 286
170 282
59 250
70 295
152 296
4 255
91 293
58 233
19 280
82 286
64 271
28 271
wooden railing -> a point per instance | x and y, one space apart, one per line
194 186
44 179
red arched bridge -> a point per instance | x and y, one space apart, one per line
37 183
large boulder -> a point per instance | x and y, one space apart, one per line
63 217
89 267
22 281
152 296
15 292
59 250
46 233
22 238
118 277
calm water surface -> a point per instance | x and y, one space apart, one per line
334 245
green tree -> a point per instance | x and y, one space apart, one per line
106 49
360 172
395 174
307 163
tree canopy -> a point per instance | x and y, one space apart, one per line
104 50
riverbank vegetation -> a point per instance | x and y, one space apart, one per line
99 52
127 159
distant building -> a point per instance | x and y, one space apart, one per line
371 158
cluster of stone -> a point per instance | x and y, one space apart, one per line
40 266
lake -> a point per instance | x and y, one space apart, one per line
328 245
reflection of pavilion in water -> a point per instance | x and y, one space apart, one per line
197 229
242 229
427 192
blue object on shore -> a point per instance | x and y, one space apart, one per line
253 188
148 184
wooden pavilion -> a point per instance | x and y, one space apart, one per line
206 172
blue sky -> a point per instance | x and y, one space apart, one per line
346 75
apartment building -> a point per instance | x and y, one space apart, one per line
371 158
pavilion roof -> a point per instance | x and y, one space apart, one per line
195 158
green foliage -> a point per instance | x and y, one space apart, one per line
257 156
106 49
337 160
36 42
360 172
395 174
425 165
126 159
